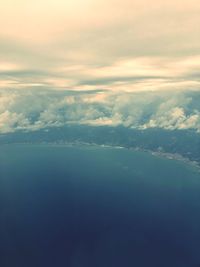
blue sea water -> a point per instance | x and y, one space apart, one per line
88 206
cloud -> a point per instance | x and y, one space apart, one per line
98 62
133 74
32 110
11 121
110 44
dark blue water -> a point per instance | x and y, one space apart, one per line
96 207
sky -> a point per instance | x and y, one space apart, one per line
117 45
108 48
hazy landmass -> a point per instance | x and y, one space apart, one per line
183 145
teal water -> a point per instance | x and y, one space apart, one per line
93 206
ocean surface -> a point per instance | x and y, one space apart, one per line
90 206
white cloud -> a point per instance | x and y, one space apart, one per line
10 122
142 57
31 110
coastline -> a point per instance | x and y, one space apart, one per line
177 157
161 154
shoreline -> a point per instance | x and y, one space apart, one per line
161 154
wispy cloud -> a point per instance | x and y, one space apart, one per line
98 40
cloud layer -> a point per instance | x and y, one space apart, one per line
100 62
31 110
129 45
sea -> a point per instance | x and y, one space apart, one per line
94 206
